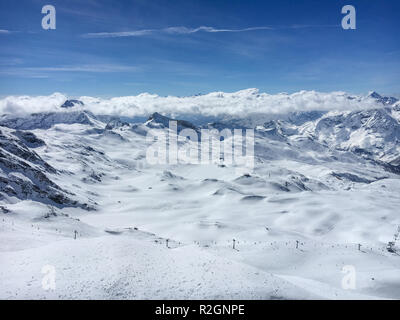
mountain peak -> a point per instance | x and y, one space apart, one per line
158 120
157 116
374 94
382 99
72 103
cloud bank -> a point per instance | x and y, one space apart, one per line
238 104
19 105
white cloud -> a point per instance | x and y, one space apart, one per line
170 30
185 30
237 104
2 31
29 104
44 72
85 68
118 34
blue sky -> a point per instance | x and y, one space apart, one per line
283 46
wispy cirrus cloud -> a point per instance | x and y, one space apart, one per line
97 68
45 72
169 30
181 30
2 31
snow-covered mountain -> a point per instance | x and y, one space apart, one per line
25 175
384 100
323 182
72 103
46 120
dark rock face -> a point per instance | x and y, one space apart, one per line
29 139
24 174
350 177
15 150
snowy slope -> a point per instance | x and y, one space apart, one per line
329 180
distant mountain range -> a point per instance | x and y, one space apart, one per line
369 136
